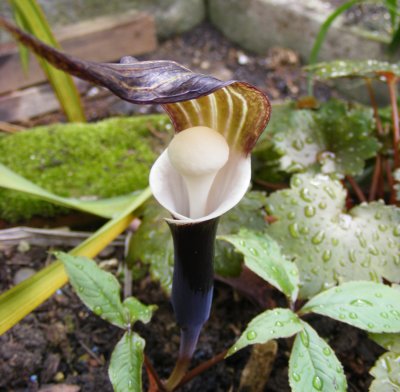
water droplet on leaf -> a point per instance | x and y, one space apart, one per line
251 335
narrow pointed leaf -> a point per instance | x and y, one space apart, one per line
313 365
263 256
34 19
373 307
23 298
354 68
106 208
386 372
126 363
99 290
237 110
271 324
135 310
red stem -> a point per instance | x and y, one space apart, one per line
202 368
391 82
375 178
374 106
357 189
156 384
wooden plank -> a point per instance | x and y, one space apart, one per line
101 39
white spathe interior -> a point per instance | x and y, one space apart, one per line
198 154
228 188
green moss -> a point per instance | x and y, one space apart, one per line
104 159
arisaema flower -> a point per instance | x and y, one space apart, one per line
204 173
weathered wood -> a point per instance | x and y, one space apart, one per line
101 39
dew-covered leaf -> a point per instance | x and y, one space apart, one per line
263 256
125 370
152 242
354 68
313 366
248 213
99 290
389 341
337 138
329 244
137 311
371 306
271 324
386 373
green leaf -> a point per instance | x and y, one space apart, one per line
386 373
263 256
35 21
389 341
353 68
336 139
271 324
99 290
329 244
106 208
248 213
152 245
152 242
126 363
371 306
313 365
21 299
136 311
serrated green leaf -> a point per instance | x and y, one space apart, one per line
152 242
313 365
371 306
336 139
126 363
271 324
386 373
263 256
248 213
353 68
389 341
136 311
152 245
99 290
328 244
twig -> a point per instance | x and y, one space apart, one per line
375 178
10 128
154 380
391 82
357 189
270 185
374 106
202 368
91 353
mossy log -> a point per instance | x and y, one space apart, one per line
99 160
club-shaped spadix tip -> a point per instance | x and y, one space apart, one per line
198 154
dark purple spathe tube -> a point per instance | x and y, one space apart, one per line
193 270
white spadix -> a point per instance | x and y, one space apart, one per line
198 154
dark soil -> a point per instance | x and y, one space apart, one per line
63 347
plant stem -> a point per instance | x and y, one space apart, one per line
391 82
357 189
189 337
154 380
375 178
202 368
374 106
